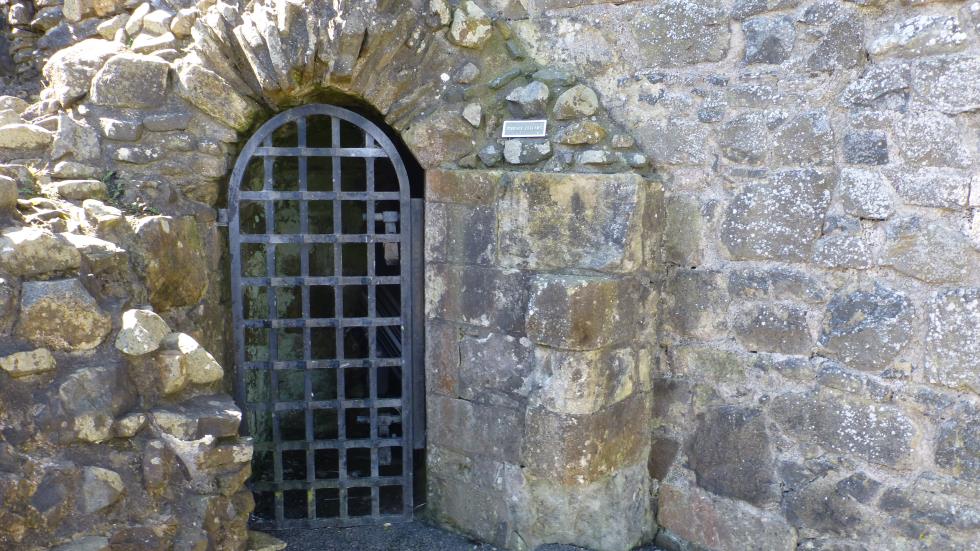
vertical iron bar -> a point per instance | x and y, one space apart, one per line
339 313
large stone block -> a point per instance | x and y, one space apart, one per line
61 315
554 221
495 369
932 187
582 313
711 522
578 449
779 219
131 80
172 259
867 328
582 383
681 32
745 138
931 139
696 303
948 83
958 444
475 429
469 187
805 140
768 39
773 328
920 35
929 251
688 221
731 455
214 95
878 433
35 253
953 339
474 295
90 399
69 71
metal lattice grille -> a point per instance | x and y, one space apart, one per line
319 216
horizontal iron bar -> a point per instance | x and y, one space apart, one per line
365 482
317 196
319 280
298 323
331 522
339 444
325 364
352 152
328 404
286 238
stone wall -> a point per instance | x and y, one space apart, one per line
818 379
731 301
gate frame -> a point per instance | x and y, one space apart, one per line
411 225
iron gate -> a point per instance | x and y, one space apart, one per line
323 278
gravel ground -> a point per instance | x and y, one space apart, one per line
413 536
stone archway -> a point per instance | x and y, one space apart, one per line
542 257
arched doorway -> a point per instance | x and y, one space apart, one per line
325 270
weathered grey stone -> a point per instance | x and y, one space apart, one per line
773 328
131 80
948 83
931 139
881 434
491 155
747 8
8 304
497 298
13 103
687 223
866 194
471 26
920 35
703 519
19 137
91 398
745 138
157 22
928 251
581 383
473 113
581 133
768 39
76 10
476 429
216 416
260 541
842 47
577 312
932 187
22 364
779 219
135 21
574 449
819 506
526 151
61 315
129 425
100 489
507 382
172 260
530 100
534 230
885 84
798 286
80 190
36 253
696 303
85 543
212 94
867 328
199 365
71 170
146 43
731 455
441 137
681 32
183 21
952 341
576 102
169 374
69 71
141 332
8 194
843 250
807 139
866 148
9 116
108 28
75 137
958 445
124 130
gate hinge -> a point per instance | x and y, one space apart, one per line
223 218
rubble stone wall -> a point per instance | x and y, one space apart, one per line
731 301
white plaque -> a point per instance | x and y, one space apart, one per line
525 129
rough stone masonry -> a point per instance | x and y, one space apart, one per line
731 301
